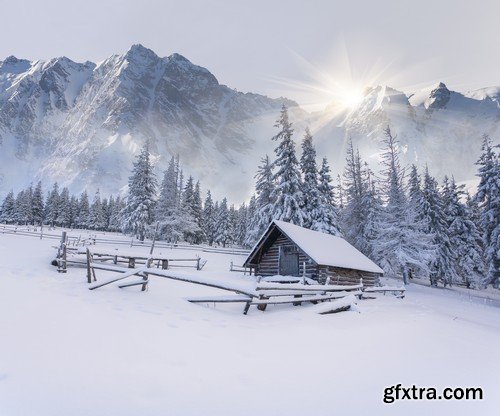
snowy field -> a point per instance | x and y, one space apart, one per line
65 350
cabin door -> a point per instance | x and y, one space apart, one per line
289 262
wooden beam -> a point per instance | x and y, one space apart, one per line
336 310
164 274
115 279
221 299
135 283
294 300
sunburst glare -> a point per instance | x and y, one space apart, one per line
338 85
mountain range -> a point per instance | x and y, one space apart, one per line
81 124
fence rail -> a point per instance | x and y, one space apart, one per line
92 240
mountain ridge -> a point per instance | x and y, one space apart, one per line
78 123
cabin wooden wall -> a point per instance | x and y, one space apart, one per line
339 275
269 263
269 266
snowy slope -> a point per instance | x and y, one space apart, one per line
70 351
484 93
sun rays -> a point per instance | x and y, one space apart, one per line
337 84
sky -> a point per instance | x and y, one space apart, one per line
287 48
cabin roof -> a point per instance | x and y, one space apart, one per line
323 249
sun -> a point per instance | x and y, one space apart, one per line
336 84
347 96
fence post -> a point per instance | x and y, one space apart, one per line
145 278
62 254
154 238
89 273
198 263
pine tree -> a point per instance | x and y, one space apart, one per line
8 210
115 219
82 219
312 203
328 219
353 214
209 219
180 184
64 209
168 200
263 204
174 212
191 229
74 206
250 234
233 223
414 188
188 194
139 210
400 244
197 210
52 206
107 209
18 209
242 225
339 195
96 215
287 195
465 237
223 224
23 207
372 209
433 222
37 204
488 199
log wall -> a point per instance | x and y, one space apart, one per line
339 275
269 263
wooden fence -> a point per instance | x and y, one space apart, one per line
74 241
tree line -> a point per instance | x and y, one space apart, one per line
401 218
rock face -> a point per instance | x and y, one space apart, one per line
82 124
438 98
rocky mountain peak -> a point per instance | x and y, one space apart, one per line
78 123
438 98
138 53
12 64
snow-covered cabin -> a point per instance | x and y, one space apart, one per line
287 249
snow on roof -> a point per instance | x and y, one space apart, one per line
327 249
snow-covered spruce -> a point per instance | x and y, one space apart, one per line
402 224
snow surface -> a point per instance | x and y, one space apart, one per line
65 350
327 307
327 249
